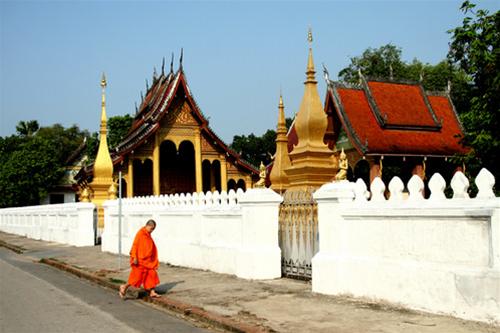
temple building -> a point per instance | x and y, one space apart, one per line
386 128
170 147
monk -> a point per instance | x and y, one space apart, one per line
143 261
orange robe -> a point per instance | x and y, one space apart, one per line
144 273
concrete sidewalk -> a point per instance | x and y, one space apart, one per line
281 305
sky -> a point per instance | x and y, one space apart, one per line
238 55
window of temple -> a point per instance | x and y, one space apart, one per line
177 168
231 185
362 170
124 188
215 176
206 174
241 184
211 172
143 177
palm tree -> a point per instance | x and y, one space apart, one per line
27 128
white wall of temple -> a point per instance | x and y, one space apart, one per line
439 255
69 223
232 233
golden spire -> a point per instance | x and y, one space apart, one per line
311 159
278 177
311 121
103 166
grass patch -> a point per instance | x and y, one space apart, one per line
118 281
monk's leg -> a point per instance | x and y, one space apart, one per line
123 290
151 281
135 279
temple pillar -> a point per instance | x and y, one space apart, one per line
130 178
248 182
197 160
156 166
223 174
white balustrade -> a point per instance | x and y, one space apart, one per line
227 232
69 223
437 254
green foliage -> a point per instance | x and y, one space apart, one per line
118 127
475 48
33 161
27 128
377 63
380 62
66 139
28 171
256 149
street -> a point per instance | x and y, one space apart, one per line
39 298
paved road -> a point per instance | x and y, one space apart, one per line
38 298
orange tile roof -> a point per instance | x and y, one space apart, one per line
415 123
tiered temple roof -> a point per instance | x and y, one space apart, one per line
156 105
391 118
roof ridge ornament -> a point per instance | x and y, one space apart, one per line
180 59
172 64
361 77
326 75
163 66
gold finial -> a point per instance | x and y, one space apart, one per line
103 81
310 62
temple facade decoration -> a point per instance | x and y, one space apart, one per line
170 147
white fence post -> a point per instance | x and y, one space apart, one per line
329 198
259 256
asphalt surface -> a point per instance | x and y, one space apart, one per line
38 298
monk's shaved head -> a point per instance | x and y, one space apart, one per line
151 223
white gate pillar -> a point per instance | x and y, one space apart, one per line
330 197
259 256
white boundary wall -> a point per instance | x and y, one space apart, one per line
69 223
225 233
439 255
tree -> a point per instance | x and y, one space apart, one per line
385 62
255 149
382 62
66 139
28 172
27 128
475 48
118 127
33 161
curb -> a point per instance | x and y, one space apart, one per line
14 248
185 309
